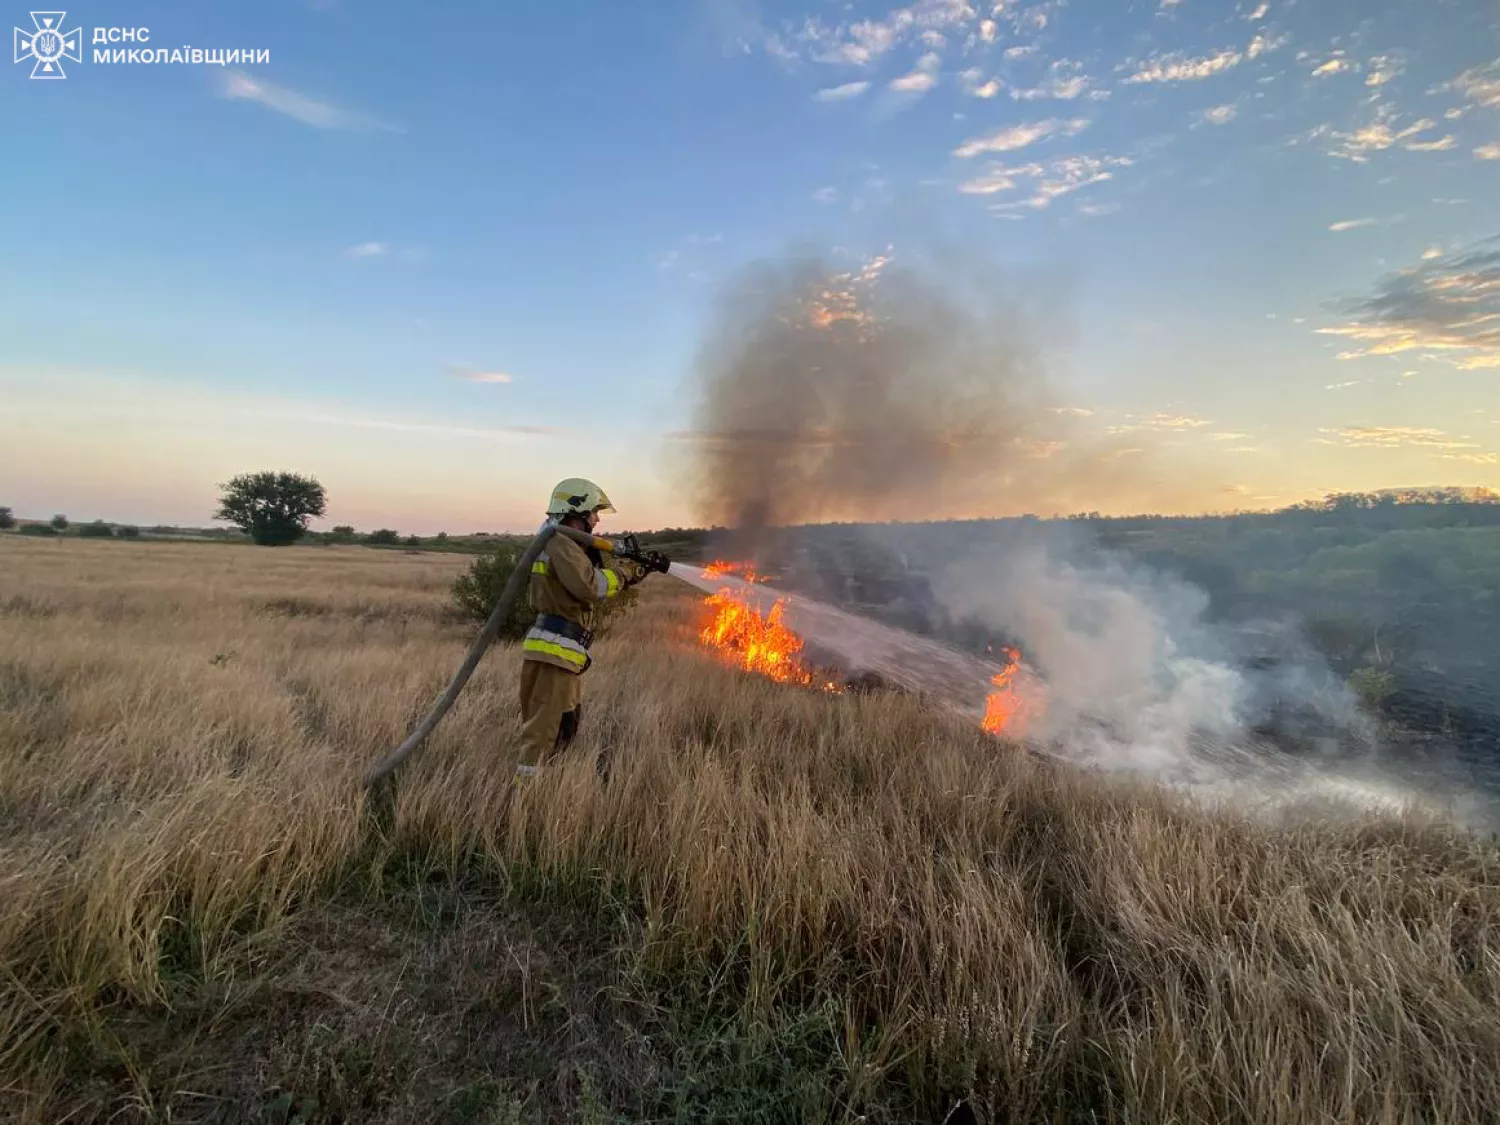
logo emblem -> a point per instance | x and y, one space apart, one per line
49 45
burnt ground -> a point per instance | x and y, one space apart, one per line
454 1001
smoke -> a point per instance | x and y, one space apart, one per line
1134 676
888 393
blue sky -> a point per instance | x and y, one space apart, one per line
440 255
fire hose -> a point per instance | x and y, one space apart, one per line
625 548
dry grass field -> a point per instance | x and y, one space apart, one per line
784 906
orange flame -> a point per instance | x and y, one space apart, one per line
1006 711
738 570
756 643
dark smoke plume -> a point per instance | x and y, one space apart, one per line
880 394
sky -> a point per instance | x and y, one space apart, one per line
440 256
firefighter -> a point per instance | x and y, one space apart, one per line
567 581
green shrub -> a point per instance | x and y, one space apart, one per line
413 540
128 532
60 522
38 529
1373 686
96 530
385 537
7 519
475 595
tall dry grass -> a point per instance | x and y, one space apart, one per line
182 728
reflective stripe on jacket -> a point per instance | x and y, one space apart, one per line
565 583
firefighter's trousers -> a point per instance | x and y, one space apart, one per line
551 707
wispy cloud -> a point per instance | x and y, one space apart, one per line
1397 437
842 93
1170 423
826 195
471 374
1258 13
1219 114
1385 132
863 42
1065 81
976 85
1331 67
1045 181
1480 85
1014 137
1487 152
1097 210
238 86
921 78
1177 67
1448 305
366 250
1265 44
1382 69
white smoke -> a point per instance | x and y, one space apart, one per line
1136 678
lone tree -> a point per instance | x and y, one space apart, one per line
271 508
60 522
7 520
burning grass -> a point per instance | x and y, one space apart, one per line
804 906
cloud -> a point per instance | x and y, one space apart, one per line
1171 423
1261 45
470 374
826 195
1487 152
862 43
1097 210
1480 84
366 250
922 78
1432 252
1014 137
1351 224
1065 81
1020 52
842 93
1342 386
1397 437
238 86
1259 13
1383 68
1331 67
1219 114
1448 305
1177 67
976 86
1075 411
1046 181
1383 133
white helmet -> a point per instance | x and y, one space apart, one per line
578 497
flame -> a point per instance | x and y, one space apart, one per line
720 568
1006 710
756 643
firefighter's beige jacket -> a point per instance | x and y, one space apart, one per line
566 584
